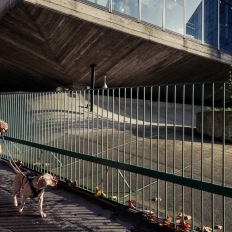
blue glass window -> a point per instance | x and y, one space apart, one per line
151 12
211 22
100 2
226 26
194 19
174 16
128 7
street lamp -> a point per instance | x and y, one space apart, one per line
105 85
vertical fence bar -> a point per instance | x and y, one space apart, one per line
143 146
97 129
183 151
55 132
20 126
118 146
107 144
75 135
8 119
61 132
47 126
223 158
35 119
67 103
64 135
124 146
23 123
51 156
137 145
93 125
88 143
25 115
212 155
30 106
158 148
151 140
38 126
79 134
102 139
6 100
130 148
12 120
112 170
166 149
202 153
174 152
71 136
83 140
59 126
5 118
42 129
192 154
45 110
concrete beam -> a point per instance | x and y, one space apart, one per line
129 26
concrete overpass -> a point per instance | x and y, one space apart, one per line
50 43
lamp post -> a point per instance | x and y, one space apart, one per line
93 66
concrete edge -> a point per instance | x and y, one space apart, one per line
132 27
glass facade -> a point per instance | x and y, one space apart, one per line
151 12
226 25
194 19
174 16
207 21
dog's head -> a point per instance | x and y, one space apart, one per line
3 127
46 180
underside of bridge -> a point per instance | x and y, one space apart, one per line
42 48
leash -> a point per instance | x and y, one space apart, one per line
10 158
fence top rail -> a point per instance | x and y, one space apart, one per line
180 180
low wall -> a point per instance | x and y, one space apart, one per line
218 124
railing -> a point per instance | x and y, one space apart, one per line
205 21
138 146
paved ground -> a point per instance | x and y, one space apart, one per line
66 211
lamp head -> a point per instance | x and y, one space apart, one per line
105 85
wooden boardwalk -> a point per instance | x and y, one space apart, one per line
66 211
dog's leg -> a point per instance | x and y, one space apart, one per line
15 198
23 198
17 187
43 215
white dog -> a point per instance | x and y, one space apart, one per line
31 187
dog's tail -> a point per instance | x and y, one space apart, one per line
13 167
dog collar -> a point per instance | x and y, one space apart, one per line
35 192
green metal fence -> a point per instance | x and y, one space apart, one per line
149 146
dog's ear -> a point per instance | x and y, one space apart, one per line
41 182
